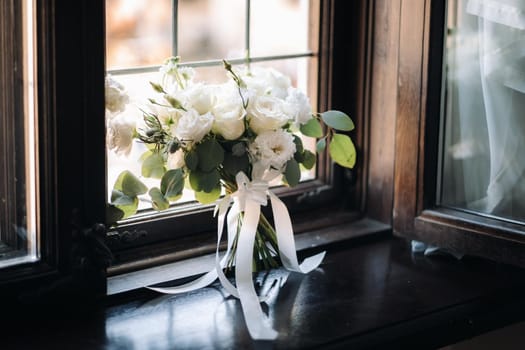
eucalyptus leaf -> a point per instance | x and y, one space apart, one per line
129 184
127 204
153 166
210 153
321 145
113 214
309 159
172 184
292 173
204 181
299 149
208 197
312 128
342 150
158 201
191 159
337 120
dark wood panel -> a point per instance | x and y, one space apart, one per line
383 106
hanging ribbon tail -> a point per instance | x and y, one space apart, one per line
212 275
251 307
285 240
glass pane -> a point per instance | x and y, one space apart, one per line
18 158
484 133
211 29
137 33
279 27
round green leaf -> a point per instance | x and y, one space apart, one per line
321 145
191 159
208 197
113 214
158 200
128 204
129 184
153 166
309 159
292 173
337 120
342 150
204 182
211 154
172 183
312 128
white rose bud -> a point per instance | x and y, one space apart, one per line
267 81
266 113
229 116
120 135
200 97
192 126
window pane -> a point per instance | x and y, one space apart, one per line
484 139
211 29
137 33
279 27
18 180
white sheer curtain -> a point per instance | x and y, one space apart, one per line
484 166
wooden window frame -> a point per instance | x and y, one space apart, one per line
416 214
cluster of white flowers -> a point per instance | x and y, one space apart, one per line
266 103
120 128
206 136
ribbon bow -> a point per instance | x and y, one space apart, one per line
248 198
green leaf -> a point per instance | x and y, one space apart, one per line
342 150
172 184
128 204
204 182
211 154
309 159
299 149
292 174
208 197
191 159
129 184
158 200
233 164
321 145
312 128
113 214
153 166
337 120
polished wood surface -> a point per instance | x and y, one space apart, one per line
367 293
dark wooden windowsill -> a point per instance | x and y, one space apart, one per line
370 292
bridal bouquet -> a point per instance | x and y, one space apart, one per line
230 140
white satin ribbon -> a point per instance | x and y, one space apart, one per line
248 198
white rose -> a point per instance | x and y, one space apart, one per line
176 160
266 113
297 106
120 134
192 126
229 115
267 81
115 95
272 149
200 97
